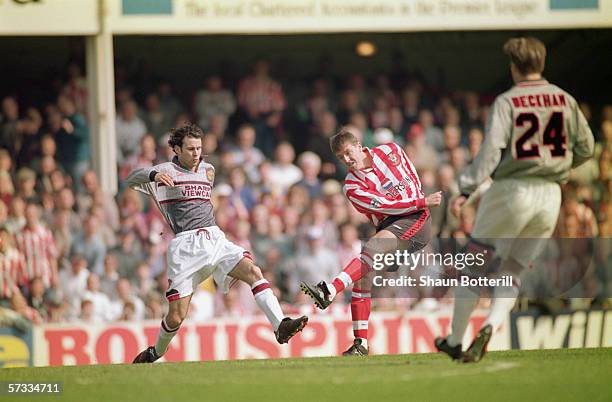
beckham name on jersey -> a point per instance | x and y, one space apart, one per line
539 100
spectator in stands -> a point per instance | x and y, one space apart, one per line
471 110
36 243
262 100
47 165
153 306
16 216
283 172
10 126
7 190
145 157
89 243
433 134
360 122
65 201
73 140
475 138
101 305
108 281
130 129
76 88
379 114
213 100
73 283
210 149
92 191
398 125
325 127
241 189
127 305
245 154
131 215
452 141
349 104
316 261
143 283
310 165
169 102
218 127
157 121
422 155
410 106
576 219
29 142
299 198
63 236
86 313
13 269
36 297
349 246
6 162
26 183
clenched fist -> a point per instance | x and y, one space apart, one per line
433 200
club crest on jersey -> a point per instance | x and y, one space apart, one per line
210 174
375 204
394 159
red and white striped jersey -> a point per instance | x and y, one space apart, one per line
12 269
390 187
38 247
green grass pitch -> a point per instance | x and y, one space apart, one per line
541 375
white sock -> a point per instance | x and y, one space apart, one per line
164 337
267 302
364 342
465 302
501 305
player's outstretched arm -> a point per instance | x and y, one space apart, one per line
140 176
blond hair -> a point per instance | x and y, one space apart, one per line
342 137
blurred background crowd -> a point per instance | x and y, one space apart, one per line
69 251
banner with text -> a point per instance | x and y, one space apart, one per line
312 16
252 338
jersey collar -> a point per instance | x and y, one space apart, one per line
532 83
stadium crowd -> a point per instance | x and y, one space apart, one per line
69 251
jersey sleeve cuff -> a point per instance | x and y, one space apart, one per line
152 175
421 203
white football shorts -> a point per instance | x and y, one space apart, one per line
517 216
195 255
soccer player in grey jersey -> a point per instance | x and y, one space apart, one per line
182 189
535 135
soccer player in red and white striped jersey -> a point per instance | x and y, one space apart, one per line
383 185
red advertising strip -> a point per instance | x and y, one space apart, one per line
241 339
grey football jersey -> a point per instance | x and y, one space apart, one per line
535 129
187 205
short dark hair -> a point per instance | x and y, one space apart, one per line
339 139
527 54
188 130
